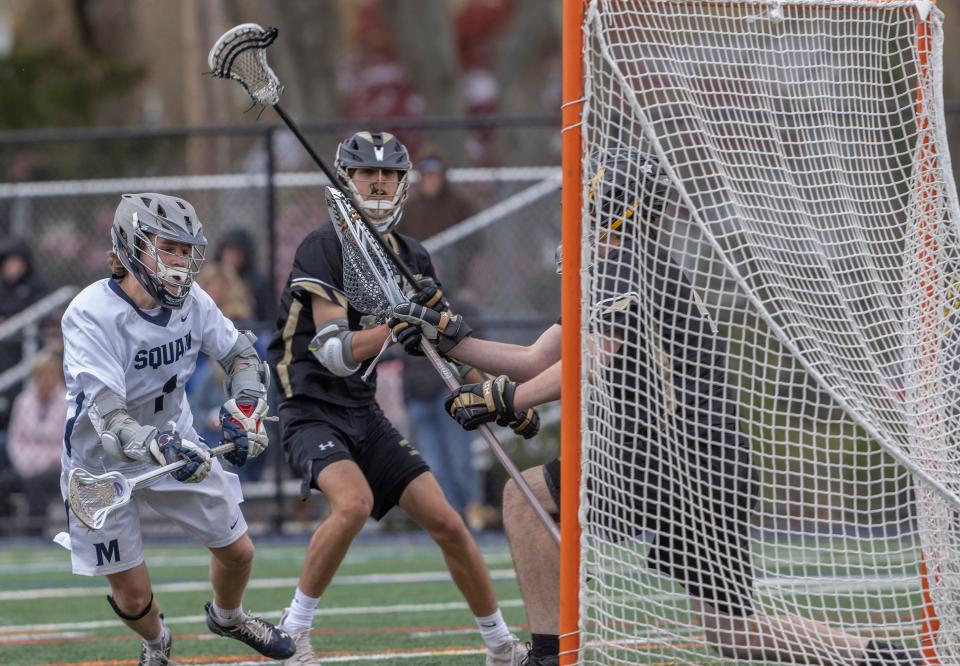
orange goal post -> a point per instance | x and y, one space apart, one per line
761 349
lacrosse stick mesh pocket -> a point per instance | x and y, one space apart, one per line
365 291
240 54
87 497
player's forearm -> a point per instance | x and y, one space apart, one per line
543 388
500 358
368 343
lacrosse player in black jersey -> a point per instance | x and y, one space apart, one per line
334 434
691 477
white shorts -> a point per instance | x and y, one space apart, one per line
209 511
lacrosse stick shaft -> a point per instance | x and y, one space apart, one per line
447 375
428 350
138 481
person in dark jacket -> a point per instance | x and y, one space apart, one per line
434 205
21 286
237 250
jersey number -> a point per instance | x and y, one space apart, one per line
167 388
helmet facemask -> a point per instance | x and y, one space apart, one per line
383 213
173 280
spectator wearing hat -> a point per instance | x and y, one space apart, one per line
434 205
21 285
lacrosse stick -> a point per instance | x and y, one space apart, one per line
372 292
93 497
240 54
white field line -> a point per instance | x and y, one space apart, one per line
258 584
62 563
381 658
270 615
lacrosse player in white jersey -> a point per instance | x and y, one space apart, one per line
130 344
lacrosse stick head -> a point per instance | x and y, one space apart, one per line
369 278
241 54
93 496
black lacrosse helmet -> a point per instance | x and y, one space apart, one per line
625 185
375 150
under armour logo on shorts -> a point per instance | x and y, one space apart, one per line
324 447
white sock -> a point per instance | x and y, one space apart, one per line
157 642
494 630
227 617
301 610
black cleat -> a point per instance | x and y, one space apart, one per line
892 654
531 660
160 656
268 640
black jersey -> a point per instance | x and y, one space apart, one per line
318 270
646 300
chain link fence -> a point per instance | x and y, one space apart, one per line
498 263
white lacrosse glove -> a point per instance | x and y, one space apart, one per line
242 421
168 447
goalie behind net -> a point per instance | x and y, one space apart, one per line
769 327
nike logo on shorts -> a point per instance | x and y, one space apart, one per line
235 522
184 317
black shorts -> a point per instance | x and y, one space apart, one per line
695 493
316 434
551 476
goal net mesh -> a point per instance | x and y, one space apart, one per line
771 334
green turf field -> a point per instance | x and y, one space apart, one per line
391 603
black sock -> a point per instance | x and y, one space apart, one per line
545 645
880 653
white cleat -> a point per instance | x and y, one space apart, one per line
511 653
157 656
304 656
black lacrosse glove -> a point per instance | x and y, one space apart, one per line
428 295
473 404
173 448
443 329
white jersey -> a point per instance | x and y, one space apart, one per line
145 357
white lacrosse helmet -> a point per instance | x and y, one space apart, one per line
138 220
375 150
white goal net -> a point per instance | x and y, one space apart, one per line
771 335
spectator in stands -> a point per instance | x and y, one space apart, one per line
237 251
434 205
19 283
205 387
445 449
35 437
20 286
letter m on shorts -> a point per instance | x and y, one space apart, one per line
107 551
